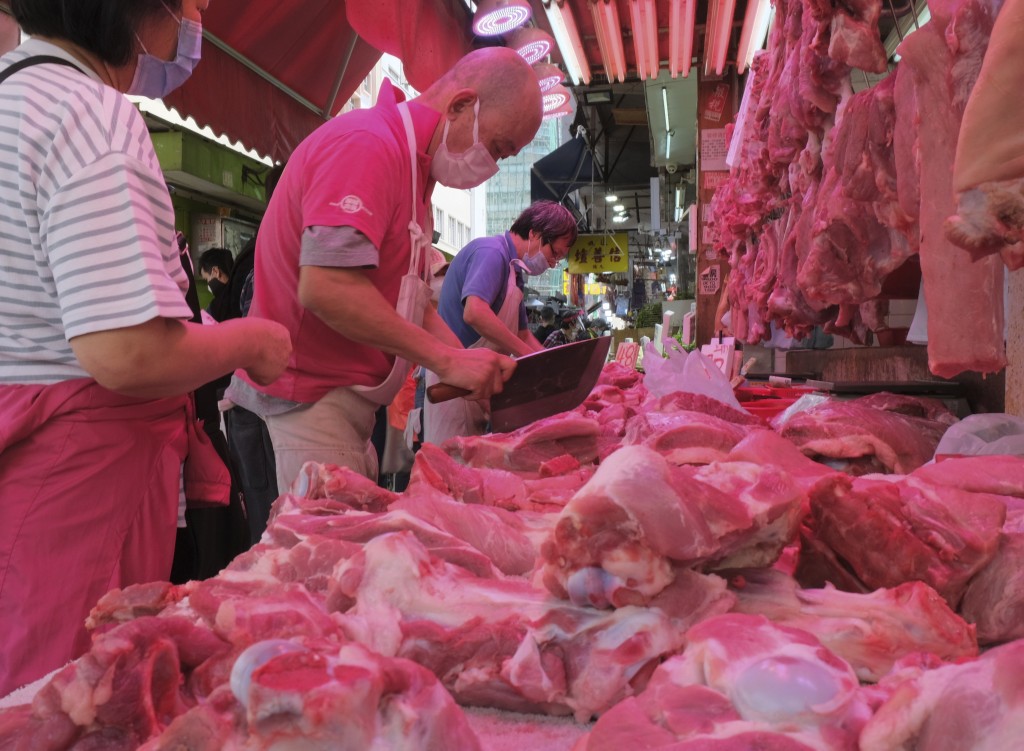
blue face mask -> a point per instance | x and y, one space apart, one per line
155 77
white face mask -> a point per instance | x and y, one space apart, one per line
156 78
535 263
468 169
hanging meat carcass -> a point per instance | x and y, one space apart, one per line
989 171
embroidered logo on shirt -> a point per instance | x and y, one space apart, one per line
351 205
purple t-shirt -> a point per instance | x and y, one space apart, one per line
480 269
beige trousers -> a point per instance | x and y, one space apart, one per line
334 430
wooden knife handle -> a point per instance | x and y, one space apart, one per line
442 392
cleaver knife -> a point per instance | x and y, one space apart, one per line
543 384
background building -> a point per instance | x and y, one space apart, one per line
508 193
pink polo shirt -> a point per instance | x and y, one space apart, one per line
353 171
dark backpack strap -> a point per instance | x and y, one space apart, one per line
36 60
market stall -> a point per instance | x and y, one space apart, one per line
684 557
785 581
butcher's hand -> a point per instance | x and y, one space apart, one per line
273 348
483 372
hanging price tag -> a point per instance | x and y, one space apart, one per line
721 353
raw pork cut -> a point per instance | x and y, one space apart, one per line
855 38
357 527
978 705
768 447
890 530
528 448
989 170
856 240
501 642
964 296
686 401
319 695
742 683
338 488
860 438
502 488
869 631
618 540
166 683
684 437
994 600
998 475
126 689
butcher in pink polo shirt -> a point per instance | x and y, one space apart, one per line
342 257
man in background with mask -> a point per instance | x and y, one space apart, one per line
215 266
482 302
342 257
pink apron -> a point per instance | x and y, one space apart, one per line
461 416
89 484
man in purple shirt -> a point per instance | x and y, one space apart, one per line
482 300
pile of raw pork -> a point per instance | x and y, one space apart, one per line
834 191
669 567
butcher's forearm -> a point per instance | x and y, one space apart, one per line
436 326
531 341
350 304
479 315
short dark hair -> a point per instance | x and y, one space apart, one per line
106 28
217 258
547 313
548 218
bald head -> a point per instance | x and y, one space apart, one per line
509 94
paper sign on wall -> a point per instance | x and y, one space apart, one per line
710 280
713 149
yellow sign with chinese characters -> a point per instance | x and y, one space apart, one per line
594 254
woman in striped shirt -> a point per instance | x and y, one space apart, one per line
97 356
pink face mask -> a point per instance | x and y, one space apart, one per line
536 263
468 169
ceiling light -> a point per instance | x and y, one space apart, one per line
668 146
644 15
681 20
609 38
597 96
716 39
532 43
611 198
754 33
618 207
555 98
548 75
563 25
497 17
664 102
620 219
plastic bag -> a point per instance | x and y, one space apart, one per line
804 403
984 435
680 370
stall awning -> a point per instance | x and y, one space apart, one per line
567 168
272 72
